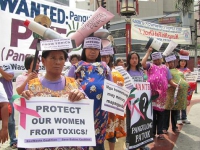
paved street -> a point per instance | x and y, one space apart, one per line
187 139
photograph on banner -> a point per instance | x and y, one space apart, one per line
55 122
128 81
141 126
17 41
143 30
114 97
191 77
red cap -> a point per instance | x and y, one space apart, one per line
26 23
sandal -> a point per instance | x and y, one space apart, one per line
165 131
161 137
14 146
176 131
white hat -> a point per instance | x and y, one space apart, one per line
170 58
156 55
184 57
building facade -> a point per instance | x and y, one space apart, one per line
156 11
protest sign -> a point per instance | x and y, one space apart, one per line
141 124
114 97
128 82
191 77
197 70
54 122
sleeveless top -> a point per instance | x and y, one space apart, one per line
157 76
39 90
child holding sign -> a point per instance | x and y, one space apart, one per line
91 73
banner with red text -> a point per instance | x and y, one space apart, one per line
17 41
142 30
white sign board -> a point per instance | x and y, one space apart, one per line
128 81
55 122
191 77
114 97
197 70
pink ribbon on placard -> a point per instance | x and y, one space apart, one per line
132 97
25 111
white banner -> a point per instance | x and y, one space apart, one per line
55 122
114 97
17 40
142 30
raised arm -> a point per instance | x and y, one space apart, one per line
145 58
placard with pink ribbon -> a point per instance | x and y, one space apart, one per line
55 122
141 115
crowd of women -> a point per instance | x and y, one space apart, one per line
85 79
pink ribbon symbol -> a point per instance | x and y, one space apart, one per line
132 97
25 111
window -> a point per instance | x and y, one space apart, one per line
63 2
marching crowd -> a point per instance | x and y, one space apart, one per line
85 79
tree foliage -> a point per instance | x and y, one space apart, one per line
184 5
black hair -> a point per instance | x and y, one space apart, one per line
178 66
83 56
75 56
28 61
129 58
45 54
110 63
118 60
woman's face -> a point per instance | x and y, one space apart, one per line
121 63
134 60
54 62
74 60
91 54
182 63
171 64
37 65
157 62
105 58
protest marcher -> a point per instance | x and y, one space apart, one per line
53 84
159 76
4 114
119 62
182 66
174 103
6 80
138 75
23 79
91 72
116 123
74 58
